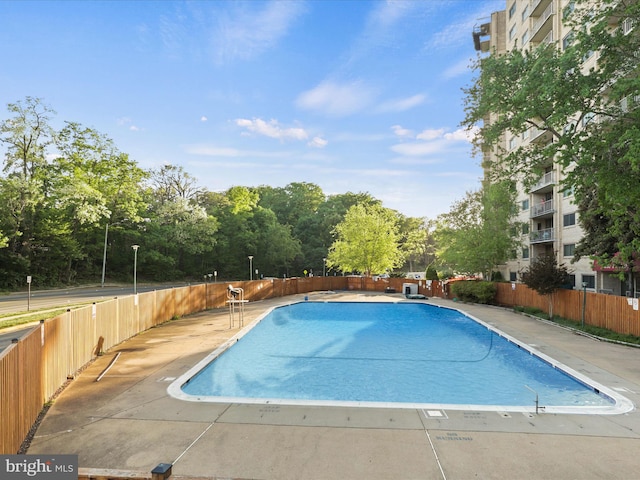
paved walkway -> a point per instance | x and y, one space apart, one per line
126 421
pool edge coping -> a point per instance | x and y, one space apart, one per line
621 405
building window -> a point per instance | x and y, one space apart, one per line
525 228
512 32
567 192
627 26
512 10
525 37
513 142
569 219
590 281
567 40
587 118
569 249
525 253
525 204
525 12
568 10
572 280
513 276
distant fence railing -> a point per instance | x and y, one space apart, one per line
33 369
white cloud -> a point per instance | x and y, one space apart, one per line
457 69
210 150
431 134
244 33
127 122
433 141
318 142
272 129
203 118
402 104
462 135
337 99
420 148
402 132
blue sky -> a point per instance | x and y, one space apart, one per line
352 95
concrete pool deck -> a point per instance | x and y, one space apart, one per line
128 422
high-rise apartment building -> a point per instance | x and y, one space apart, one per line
548 213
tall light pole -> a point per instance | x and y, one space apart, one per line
135 268
104 254
324 267
250 267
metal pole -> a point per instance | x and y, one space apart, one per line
135 268
250 267
104 255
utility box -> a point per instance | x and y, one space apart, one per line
410 288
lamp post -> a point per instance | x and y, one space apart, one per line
215 276
324 267
250 267
584 301
135 268
104 253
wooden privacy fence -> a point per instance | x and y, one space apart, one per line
35 367
618 314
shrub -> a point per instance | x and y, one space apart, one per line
474 291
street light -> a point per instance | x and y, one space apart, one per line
250 267
324 267
104 253
135 268
215 276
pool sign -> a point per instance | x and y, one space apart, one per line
28 278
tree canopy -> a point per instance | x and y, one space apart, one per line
581 103
73 204
366 241
480 231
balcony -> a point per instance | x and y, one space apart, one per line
540 136
542 236
545 183
542 209
543 24
536 7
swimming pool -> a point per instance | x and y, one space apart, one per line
387 354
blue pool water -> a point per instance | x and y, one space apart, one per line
382 352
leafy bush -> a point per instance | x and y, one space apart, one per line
474 291
431 274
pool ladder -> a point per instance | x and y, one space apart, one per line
236 301
538 407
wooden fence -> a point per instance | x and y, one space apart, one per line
618 314
34 368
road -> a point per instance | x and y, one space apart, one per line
50 299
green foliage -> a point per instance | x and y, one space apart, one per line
588 119
545 276
474 291
70 198
479 231
366 241
431 273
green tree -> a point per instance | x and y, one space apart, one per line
366 241
587 118
545 276
479 232
92 184
26 137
